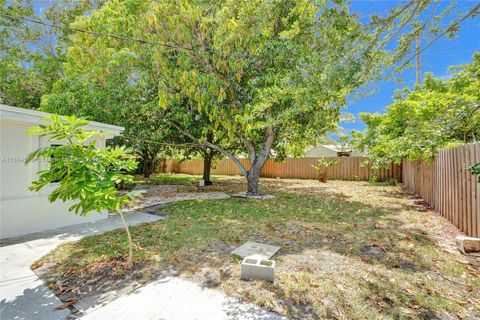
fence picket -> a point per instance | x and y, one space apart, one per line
448 186
347 168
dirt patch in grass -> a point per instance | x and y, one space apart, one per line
164 179
349 250
155 196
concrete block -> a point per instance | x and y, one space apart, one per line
468 244
255 267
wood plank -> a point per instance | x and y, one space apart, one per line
452 187
474 195
465 192
460 190
455 188
444 187
448 193
476 190
468 192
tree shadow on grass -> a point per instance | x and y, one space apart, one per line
301 219
371 233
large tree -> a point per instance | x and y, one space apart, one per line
122 95
31 50
271 73
121 87
116 81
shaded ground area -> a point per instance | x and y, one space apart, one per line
22 294
156 195
350 250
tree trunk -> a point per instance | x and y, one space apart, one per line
149 164
146 168
257 160
207 166
164 165
130 242
253 178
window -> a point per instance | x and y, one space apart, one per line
343 154
52 158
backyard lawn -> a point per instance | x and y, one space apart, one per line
349 250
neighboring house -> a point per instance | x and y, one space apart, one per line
23 211
332 150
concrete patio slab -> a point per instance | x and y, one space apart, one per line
254 248
174 298
22 294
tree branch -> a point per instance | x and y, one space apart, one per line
214 147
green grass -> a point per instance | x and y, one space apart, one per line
325 268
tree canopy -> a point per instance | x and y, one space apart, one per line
116 99
32 53
272 74
256 78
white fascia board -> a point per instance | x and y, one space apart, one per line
35 117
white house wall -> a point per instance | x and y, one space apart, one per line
28 215
14 175
23 211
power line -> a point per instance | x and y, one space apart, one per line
470 12
187 145
451 54
98 34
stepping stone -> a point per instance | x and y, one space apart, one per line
254 248
262 196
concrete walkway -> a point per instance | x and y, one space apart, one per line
22 294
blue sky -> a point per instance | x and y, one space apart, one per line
442 54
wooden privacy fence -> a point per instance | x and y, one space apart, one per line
448 186
347 168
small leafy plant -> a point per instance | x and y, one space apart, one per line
83 173
322 168
475 170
